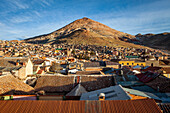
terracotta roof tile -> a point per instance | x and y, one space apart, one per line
11 85
91 83
55 83
88 73
11 62
38 61
167 70
67 83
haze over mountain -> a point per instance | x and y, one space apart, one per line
87 32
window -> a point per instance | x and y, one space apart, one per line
132 63
127 63
2 98
75 80
122 63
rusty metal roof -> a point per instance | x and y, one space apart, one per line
165 107
119 106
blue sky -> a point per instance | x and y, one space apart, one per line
21 19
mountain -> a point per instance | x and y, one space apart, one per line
87 32
157 41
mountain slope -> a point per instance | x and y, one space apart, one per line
158 41
85 31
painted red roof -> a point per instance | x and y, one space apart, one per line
40 71
151 69
147 76
161 82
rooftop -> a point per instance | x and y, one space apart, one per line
51 106
160 83
11 62
11 85
67 83
111 93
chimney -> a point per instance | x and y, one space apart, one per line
120 66
158 88
17 63
24 64
102 96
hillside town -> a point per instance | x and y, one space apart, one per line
83 72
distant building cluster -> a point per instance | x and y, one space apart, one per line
84 72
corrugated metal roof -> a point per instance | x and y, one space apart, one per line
119 106
160 83
111 93
147 76
77 91
130 83
135 97
144 88
140 93
165 107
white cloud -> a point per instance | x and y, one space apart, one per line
37 13
8 32
20 19
45 2
19 4
135 20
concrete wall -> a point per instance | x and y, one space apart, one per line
22 73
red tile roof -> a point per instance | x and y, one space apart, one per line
11 85
151 69
113 106
88 73
38 61
167 70
91 83
40 71
55 83
11 62
67 83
